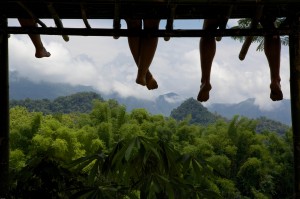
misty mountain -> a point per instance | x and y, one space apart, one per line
249 109
163 104
195 113
22 88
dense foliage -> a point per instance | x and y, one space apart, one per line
109 153
265 124
78 102
83 102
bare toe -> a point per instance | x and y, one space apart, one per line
203 95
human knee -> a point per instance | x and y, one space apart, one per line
210 24
134 24
27 22
151 24
268 21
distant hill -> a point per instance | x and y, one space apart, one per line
249 109
163 104
265 124
191 109
199 114
22 88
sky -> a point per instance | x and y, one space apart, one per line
107 65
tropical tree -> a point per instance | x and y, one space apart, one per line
146 168
246 24
109 153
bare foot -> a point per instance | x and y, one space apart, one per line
203 95
140 79
42 53
151 82
276 93
148 81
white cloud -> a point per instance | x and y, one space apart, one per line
107 64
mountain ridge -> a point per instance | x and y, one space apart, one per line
194 112
249 109
22 88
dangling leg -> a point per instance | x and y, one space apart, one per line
148 47
272 49
207 54
40 50
134 42
135 46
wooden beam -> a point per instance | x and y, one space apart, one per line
186 9
4 110
294 47
155 33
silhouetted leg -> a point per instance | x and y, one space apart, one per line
272 49
135 44
40 50
148 47
207 53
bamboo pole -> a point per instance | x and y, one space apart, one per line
56 19
4 109
294 47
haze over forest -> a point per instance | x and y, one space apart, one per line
22 88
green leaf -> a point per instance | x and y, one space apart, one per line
94 172
186 159
156 153
170 191
196 167
83 192
129 150
83 162
152 146
118 155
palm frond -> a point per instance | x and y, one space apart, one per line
246 23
